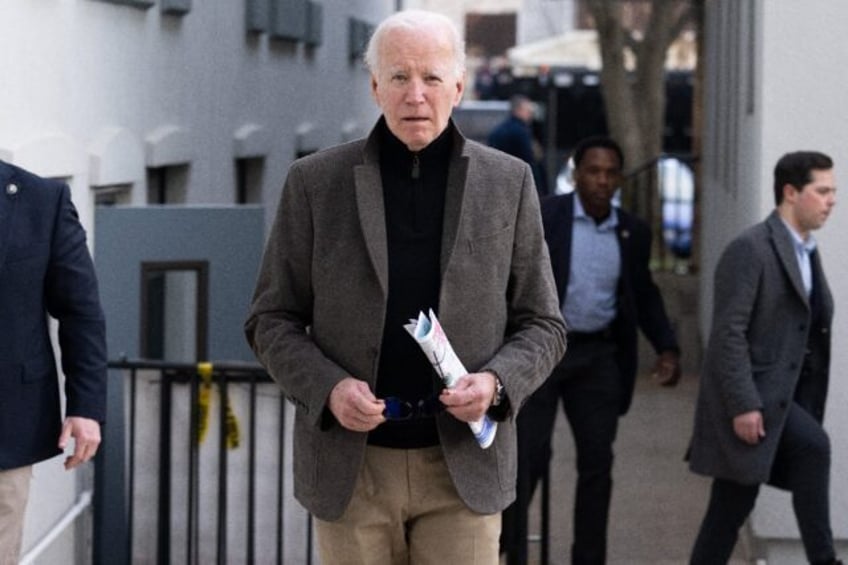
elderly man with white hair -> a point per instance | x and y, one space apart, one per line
367 235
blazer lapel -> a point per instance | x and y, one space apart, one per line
559 241
8 198
454 197
624 234
372 218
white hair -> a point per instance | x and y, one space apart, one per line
416 19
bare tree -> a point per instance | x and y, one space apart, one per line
635 99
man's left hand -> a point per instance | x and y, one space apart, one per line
667 368
471 397
86 434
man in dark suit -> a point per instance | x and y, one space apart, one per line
45 270
765 377
514 136
600 257
367 235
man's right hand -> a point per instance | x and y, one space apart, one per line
749 427
355 406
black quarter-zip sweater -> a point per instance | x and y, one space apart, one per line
414 185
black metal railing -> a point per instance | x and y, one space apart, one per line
663 192
216 502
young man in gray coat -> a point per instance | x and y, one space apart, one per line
764 382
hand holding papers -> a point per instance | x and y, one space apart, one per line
435 345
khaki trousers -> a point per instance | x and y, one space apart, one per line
14 491
406 511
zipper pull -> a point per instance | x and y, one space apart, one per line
416 166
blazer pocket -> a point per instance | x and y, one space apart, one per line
491 240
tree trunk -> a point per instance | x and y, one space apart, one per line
634 99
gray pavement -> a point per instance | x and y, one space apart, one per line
657 503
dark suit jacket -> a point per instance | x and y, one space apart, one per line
45 269
755 353
320 303
513 136
639 303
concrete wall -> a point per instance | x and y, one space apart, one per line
772 85
96 93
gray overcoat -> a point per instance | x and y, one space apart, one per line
760 327
320 303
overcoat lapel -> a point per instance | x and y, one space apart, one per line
782 242
372 218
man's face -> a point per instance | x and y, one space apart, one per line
596 179
417 85
526 112
810 207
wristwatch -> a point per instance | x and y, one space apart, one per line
499 392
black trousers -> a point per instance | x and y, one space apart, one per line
801 466
588 383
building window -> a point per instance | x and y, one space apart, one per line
112 195
176 7
249 174
256 15
174 310
359 32
167 185
490 34
288 19
143 4
314 24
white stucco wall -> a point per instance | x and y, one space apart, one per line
80 69
95 92
787 100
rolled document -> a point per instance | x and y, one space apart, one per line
435 345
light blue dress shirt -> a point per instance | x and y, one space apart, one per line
590 300
802 254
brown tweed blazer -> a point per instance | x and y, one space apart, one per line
319 305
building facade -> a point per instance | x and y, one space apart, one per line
174 102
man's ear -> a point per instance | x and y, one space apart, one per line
789 192
374 89
460 89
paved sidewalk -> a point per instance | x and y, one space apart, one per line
657 503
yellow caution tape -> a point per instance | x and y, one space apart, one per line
232 426
204 371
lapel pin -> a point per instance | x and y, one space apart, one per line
625 233
11 189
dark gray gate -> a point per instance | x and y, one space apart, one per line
175 284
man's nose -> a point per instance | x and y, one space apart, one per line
415 91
